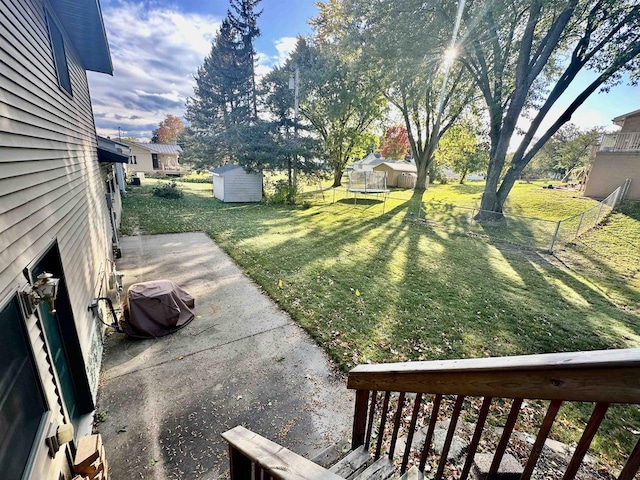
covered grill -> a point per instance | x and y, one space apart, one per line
157 308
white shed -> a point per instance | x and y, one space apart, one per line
232 184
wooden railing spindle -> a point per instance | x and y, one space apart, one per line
240 466
633 464
396 425
447 443
359 419
477 434
412 428
504 440
432 425
587 436
372 411
383 421
543 433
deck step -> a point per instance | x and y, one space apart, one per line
331 455
352 464
381 469
413 474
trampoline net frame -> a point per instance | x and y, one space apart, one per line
367 181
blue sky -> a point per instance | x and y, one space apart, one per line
157 47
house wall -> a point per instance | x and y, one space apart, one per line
218 187
240 186
50 187
631 124
144 162
609 170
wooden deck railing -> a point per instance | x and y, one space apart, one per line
620 142
603 377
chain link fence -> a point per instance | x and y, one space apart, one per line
530 232
572 227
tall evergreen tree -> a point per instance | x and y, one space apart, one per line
244 19
225 96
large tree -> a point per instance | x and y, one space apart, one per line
463 150
524 54
224 95
395 143
404 43
338 101
168 130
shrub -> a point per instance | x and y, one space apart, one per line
167 190
282 195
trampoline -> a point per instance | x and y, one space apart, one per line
364 181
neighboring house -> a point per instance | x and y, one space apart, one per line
54 218
368 162
616 159
396 171
154 158
232 184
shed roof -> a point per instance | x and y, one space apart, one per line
220 171
82 21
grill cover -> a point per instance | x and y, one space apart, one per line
157 308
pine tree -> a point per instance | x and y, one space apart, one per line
225 98
244 19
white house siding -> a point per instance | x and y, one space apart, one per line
218 187
144 161
50 187
240 186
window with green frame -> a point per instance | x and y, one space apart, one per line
22 405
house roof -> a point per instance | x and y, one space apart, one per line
111 151
620 119
220 171
401 166
82 21
165 148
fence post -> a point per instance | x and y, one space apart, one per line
554 237
599 212
580 224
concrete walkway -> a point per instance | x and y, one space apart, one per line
242 361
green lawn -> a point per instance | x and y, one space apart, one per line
379 288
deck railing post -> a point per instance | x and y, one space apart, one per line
239 465
359 419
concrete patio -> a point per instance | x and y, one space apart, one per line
164 403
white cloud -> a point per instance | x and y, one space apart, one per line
156 53
155 56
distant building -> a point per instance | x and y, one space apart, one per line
155 158
616 159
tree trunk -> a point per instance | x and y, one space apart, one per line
422 163
337 177
490 206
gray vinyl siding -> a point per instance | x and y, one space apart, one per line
218 187
240 186
50 187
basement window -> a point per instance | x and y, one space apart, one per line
59 54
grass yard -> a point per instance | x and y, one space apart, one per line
374 288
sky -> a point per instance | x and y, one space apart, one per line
157 47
